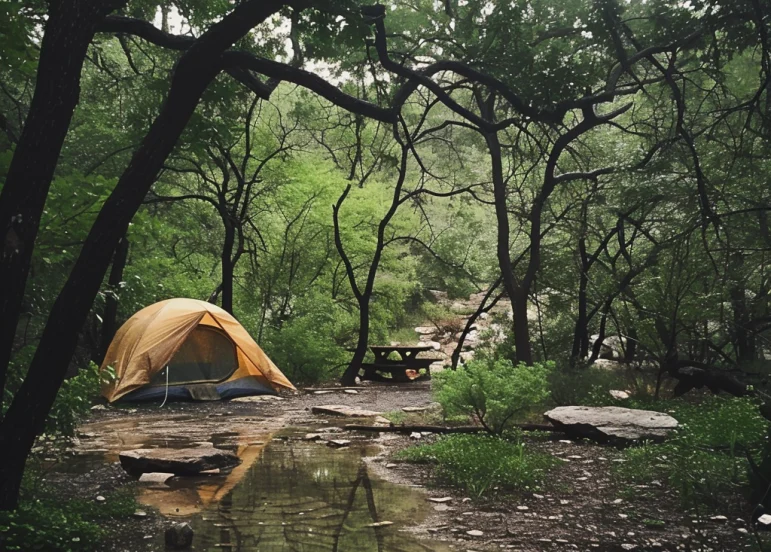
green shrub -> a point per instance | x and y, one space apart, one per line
43 522
481 463
707 457
585 385
493 392
75 398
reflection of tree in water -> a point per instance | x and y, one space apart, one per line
306 497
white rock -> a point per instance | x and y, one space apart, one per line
439 500
475 533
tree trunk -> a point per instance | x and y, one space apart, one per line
227 267
581 332
26 416
68 32
110 313
517 299
349 376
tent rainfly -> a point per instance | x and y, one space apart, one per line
187 349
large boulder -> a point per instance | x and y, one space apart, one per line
612 424
184 461
343 410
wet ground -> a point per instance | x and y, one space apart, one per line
291 494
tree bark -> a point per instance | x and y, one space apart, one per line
68 32
227 266
28 411
110 313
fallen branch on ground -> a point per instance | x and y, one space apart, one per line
444 429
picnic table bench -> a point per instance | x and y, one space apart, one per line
406 368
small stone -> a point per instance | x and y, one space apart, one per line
627 546
139 513
179 536
475 533
352 392
415 435
414 408
389 466
381 524
719 518
98 407
765 519
522 508
312 437
100 498
742 530
439 500
322 392
155 477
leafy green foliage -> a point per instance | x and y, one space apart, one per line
49 523
481 464
75 398
493 392
707 458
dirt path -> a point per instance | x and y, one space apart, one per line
582 507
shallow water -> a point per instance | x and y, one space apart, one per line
300 496
287 495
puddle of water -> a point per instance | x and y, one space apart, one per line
286 495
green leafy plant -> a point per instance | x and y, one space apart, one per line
75 398
481 463
707 458
493 392
48 523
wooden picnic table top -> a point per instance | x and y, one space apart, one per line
418 348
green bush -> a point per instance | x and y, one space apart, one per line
707 457
493 392
586 385
75 398
481 463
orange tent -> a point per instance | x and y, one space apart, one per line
185 348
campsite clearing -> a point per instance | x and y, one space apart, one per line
283 488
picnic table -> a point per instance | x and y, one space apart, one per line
406 368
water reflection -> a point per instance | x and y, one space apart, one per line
305 497
287 495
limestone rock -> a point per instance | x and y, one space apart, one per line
155 477
257 398
612 424
343 410
185 461
426 330
179 536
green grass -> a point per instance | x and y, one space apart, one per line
62 525
706 459
481 464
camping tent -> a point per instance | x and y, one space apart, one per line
187 349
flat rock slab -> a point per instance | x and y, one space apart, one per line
153 477
343 410
184 461
612 424
257 398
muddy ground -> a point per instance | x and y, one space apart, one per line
581 507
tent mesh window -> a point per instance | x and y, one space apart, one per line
206 356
